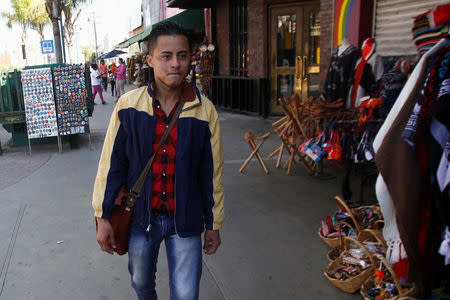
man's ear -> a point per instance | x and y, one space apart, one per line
149 59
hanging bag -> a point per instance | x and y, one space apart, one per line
125 201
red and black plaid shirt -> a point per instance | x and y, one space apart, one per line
163 195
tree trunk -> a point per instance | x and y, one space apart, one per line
69 33
57 40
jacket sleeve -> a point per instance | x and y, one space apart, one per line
212 176
112 168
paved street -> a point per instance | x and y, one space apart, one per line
270 248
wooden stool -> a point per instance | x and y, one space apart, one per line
250 138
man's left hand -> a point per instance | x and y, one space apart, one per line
212 241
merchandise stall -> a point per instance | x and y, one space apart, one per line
56 101
389 110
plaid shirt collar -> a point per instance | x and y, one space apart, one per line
190 95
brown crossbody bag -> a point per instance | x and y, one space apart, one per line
125 201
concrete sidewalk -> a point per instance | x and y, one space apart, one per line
270 248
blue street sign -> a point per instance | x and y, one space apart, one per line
47 47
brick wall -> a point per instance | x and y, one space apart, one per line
257 39
326 37
223 40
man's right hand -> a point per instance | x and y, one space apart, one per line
105 235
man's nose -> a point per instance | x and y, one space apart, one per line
175 63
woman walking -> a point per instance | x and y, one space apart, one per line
121 76
96 81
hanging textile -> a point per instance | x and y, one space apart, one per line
340 72
400 186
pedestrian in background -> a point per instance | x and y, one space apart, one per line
96 81
112 77
121 76
175 213
103 68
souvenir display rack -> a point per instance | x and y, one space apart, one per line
56 101
70 98
40 111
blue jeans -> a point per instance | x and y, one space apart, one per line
184 256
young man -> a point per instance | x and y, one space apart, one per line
96 81
183 193
103 68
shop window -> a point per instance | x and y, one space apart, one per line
238 37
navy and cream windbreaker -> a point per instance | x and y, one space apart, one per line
128 146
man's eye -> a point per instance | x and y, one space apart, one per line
183 56
166 57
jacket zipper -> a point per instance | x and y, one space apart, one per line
175 200
149 202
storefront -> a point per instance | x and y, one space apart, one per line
263 48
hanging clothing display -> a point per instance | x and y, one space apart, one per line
404 187
368 70
340 72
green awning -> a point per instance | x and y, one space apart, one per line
190 19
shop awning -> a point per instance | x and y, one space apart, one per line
190 19
191 3
102 56
114 53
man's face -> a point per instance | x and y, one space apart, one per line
170 60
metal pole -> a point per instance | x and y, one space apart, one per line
62 39
95 30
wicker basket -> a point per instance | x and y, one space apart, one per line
353 284
368 284
372 235
340 203
334 242
336 251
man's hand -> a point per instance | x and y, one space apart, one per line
212 241
105 235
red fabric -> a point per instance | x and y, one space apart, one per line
358 76
163 193
440 14
367 51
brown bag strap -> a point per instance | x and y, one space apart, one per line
135 191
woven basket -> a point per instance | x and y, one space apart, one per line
336 252
334 242
340 203
372 235
353 284
368 284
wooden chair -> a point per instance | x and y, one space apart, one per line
250 138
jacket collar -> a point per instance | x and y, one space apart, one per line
191 95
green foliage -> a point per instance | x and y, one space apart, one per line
20 13
39 17
88 52
27 14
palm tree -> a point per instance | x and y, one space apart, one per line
39 18
53 8
72 10
20 15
